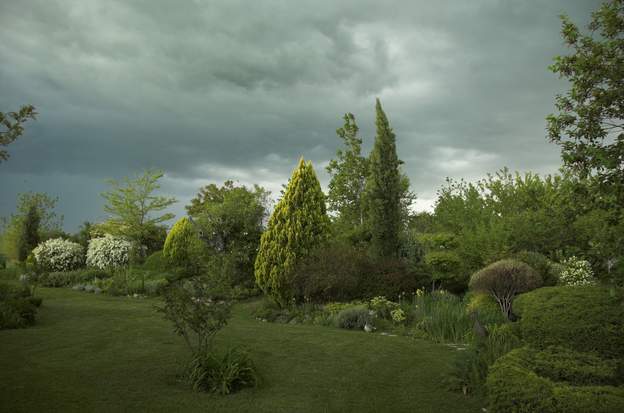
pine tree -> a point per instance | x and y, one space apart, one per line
298 224
384 190
29 237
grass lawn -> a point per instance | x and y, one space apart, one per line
99 353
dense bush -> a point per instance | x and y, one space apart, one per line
59 255
224 374
3 262
547 269
505 279
354 318
156 262
576 272
183 247
344 273
513 385
18 308
108 252
587 319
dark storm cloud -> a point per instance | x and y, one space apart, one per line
212 90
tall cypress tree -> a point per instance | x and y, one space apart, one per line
298 224
384 190
29 237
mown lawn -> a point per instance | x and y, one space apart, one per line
98 353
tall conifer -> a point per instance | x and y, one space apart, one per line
298 224
384 190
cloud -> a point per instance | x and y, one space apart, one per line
209 90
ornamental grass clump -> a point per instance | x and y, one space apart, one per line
504 280
59 255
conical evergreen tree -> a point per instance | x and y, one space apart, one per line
384 190
298 224
30 233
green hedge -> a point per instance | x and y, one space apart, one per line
18 308
513 385
584 318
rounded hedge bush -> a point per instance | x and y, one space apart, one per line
540 263
515 384
59 255
183 247
587 318
108 252
504 280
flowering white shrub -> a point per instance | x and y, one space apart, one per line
59 255
576 272
108 252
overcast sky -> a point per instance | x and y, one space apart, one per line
216 90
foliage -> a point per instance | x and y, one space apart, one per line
131 205
354 318
156 262
348 176
108 252
547 269
33 221
231 218
589 124
513 385
183 247
298 225
471 366
29 237
440 317
70 278
504 280
223 374
13 129
198 309
383 190
576 272
59 255
382 307
18 307
484 308
583 318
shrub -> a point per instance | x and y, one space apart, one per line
198 309
3 262
156 262
59 255
576 272
513 385
225 374
587 319
540 263
505 279
484 307
183 247
382 307
344 273
353 318
18 308
70 278
108 252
